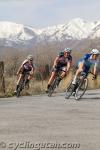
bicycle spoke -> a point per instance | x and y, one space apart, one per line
69 91
81 89
52 88
21 87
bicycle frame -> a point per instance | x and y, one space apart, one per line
54 83
82 80
22 83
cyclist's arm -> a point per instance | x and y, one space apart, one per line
19 70
69 64
32 70
21 67
95 68
55 62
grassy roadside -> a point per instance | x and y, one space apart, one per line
38 87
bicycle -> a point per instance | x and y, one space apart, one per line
22 84
79 89
54 84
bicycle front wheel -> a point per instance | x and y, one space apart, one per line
52 88
69 91
18 92
81 89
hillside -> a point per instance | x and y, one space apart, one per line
18 35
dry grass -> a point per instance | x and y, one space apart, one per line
38 87
94 84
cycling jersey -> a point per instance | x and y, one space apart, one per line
88 62
62 61
27 66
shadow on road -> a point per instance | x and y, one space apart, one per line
91 98
92 93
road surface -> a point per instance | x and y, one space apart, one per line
30 121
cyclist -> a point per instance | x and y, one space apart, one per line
85 63
26 67
62 63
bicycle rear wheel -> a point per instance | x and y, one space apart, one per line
83 84
69 91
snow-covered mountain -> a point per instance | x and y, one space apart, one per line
13 35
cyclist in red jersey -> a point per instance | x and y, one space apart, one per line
62 62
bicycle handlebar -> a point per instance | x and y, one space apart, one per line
94 76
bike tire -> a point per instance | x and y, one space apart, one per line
69 91
80 91
52 88
18 92
50 91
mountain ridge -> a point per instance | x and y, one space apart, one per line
18 35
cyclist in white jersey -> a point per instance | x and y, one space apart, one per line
26 67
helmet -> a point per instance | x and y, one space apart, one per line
30 57
95 51
67 50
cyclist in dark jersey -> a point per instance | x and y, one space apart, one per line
62 63
85 63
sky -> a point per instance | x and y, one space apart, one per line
43 13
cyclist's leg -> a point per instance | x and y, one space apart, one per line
30 76
62 75
18 81
80 69
27 78
52 77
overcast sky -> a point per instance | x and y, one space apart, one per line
43 13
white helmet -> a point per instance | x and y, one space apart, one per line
95 51
67 50
30 57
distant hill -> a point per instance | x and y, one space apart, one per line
25 37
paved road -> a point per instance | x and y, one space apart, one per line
40 119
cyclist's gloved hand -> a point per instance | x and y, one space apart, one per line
94 77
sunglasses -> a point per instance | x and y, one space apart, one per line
31 59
